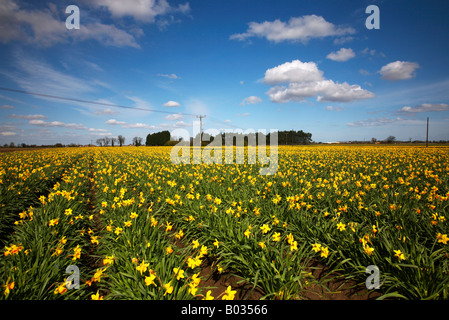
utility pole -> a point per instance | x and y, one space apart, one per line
427 133
201 128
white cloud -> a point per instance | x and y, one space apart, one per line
171 104
140 103
251 100
45 27
141 10
180 124
8 133
425 107
332 108
176 116
399 70
43 123
295 71
97 130
246 114
342 40
169 76
27 117
341 55
377 122
38 76
114 122
5 106
306 80
372 122
364 72
107 111
296 29
138 126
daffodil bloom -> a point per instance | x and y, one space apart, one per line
98 274
229 294
368 249
133 215
265 228
196 279
96 296
168 250
276 236
94 239
150 280
53 222
442 238
195 244
341 226
142 267
13 249
61 289
247 233
153 222
399 254
168 288
324 252
108 260
208 296
168 226
192 289
262 245
8 286
294 246
179 234
203 251
76 253
290 239
128 223
179 273
216 243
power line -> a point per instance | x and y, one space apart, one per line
91 102
111 105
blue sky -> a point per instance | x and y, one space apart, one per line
260 64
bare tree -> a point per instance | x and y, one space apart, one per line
390 139
137 141
121 140
100 141
113 141
107 140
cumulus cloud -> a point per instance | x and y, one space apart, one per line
295 71
114 122
425 107
296 29
251 100
176 116
305 80
43 123
171 104
341 55
399 70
